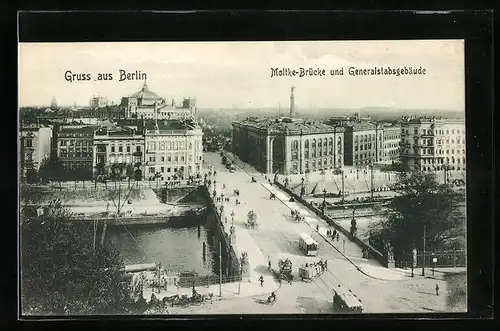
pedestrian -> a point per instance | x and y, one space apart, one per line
269 265
317 228
261 280
328 233
334 233
338 237
437 289
326 265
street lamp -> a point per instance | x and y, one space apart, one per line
324 200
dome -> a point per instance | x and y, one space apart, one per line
146 94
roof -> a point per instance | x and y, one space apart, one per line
169 125
114 131
145 93
427 120
76 131
361 126
288 125
308 239
349 298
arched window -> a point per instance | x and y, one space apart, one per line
339 145
313 147
320 147
331 146
295 150
306 149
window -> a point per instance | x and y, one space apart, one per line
128 149
138 148
169 158
29 157
29 143
152 159
152 170
182 158
112 149
162 169
169 169
295 150
162 159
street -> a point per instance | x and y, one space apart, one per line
380 289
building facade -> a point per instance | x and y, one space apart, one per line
368 142
98 102
35 146
391 142
361 144
74 149
288 145
145 104
118 152
433 144
173 148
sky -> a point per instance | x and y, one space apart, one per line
238 74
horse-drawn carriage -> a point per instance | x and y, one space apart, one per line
308 271
272 196
251 221
284 271
297 216
254 180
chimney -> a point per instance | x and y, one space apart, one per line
292 101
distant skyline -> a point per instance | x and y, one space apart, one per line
238 75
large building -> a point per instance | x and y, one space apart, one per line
145 104
118 151
98 102
391 141
368 142
433 144
74 150
35 142
174 148
288 145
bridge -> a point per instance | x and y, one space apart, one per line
381 290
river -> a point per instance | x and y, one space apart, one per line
176 248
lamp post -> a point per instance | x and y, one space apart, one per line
423 255
324 200
342 192
371 182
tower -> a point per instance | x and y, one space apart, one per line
292 101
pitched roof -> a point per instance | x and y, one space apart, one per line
166 125
287 125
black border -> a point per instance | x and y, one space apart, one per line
476 27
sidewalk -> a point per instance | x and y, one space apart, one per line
347 247
229 290
244 241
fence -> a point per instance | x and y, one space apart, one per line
444 259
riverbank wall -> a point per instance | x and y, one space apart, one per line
219 241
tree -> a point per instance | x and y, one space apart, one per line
61 274
421 202
31 176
